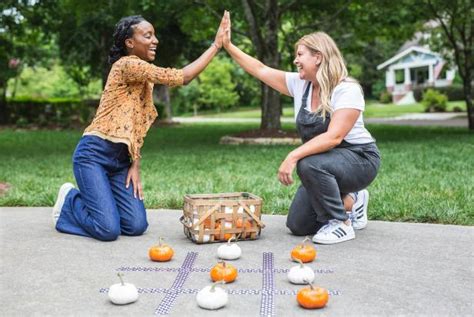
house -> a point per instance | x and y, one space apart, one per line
414 66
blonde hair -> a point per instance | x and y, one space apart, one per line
332 69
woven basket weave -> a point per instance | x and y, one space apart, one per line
217 217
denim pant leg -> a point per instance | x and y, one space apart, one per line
339 171
302 219
133 221
92 211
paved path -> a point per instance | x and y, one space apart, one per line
417 119
390 269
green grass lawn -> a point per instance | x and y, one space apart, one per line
426 173
373 110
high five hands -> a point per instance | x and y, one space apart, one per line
223 33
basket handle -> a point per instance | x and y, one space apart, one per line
207 214
251 214
185 223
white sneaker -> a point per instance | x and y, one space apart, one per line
334 232
58 206
358 216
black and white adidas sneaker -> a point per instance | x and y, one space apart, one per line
334 232
358 216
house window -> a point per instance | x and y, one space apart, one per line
399 76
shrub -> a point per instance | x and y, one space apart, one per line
385 97
454 92
214 89
58 111
433 101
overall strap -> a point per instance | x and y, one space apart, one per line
305 96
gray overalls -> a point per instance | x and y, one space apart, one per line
327 177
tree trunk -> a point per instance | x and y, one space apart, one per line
270 109
4 113
271 104
265 40
163 95
469 105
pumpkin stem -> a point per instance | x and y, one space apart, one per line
298 260
309 283
160 242
231 238
213 286
306 240
121 279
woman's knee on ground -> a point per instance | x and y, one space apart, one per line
107 233
134 227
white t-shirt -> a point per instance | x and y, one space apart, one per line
345 95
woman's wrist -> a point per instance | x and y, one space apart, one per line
292 156
217 47
136 163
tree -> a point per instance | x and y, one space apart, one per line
21 41
456 25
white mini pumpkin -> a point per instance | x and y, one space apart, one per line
212 297
205 237
241 209
301 274
229 251
122 293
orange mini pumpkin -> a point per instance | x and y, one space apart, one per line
223 272
227 225
239 223
304 252
312 297
161 252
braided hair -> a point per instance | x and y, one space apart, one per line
123 31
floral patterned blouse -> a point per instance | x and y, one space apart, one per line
126 110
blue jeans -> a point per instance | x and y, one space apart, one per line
102 208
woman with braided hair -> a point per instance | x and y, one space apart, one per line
107 159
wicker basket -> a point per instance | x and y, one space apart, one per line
217 217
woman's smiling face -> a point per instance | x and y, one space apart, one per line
307 62
143 43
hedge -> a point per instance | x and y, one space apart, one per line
44 112
454 92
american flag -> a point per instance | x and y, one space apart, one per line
438 67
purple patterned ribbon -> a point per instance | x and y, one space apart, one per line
267 304
177 287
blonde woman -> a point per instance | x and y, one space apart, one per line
338 157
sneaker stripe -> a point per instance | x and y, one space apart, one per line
337 234
360 208
340 229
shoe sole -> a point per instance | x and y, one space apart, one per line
60 201
366 205
346 238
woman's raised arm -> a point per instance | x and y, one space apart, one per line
192 70
272 77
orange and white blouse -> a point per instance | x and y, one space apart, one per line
126 110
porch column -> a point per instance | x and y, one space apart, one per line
390 79
407 79
430 75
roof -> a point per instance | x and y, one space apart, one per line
405 53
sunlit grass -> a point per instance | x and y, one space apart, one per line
426 172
